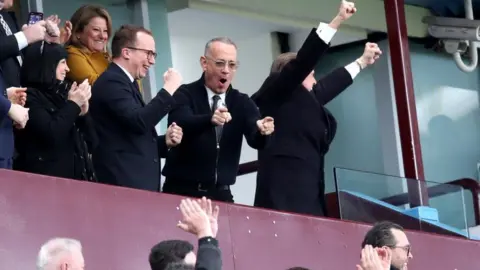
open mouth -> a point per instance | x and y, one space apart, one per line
223 80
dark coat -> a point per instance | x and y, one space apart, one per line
197 160
129 148
56 140
6 129
9 51
290 176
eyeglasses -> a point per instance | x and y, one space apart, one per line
221 64
150 54
406 248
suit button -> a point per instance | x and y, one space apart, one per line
154 140
155 160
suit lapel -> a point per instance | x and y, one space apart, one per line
10 19
202 98
136 93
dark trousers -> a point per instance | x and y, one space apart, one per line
197 190
6 163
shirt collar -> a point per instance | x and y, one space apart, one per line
126 72
210 94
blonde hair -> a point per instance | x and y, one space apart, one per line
281 61
82 17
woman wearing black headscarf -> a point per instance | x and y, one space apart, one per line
60 135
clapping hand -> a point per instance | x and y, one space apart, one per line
370 260
56 35
17 95
194 219
266 125
211 212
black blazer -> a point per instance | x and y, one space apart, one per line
6 128
195 159
290 176
56 140
129 148
9 51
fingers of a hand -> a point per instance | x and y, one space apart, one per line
184 209
203 203
20 89
209 208
216 211
196 207
182 226
222 109
41 23
218 119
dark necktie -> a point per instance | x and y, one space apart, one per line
135 84
218 129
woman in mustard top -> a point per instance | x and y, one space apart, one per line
87 47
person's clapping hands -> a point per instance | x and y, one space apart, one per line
195 219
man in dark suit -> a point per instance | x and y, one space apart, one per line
291 171
214 117
12 41
129 150
11 111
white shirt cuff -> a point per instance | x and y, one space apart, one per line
353 69
21 40
325 32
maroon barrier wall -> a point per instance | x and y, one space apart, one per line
117 227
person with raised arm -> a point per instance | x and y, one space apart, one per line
291 170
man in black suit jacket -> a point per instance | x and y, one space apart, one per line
291 171
129 149
214 117
11 111
12 41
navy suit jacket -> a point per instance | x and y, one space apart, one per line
129 149
9 52
6 127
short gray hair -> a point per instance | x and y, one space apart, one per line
225 40
53 248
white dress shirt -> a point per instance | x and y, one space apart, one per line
210 95
126 72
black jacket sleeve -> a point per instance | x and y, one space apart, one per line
330 86
183 115
118 99
162 146
280 87
4 107
9 47
253 136
209 256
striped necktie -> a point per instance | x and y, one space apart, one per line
8 32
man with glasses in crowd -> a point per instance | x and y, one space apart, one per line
129 150
391 244
214 117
